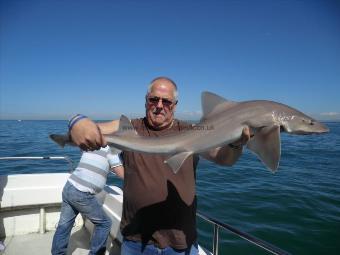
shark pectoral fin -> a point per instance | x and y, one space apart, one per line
176 161
266 145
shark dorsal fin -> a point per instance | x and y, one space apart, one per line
211 103
125 127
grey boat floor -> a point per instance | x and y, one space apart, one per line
40 244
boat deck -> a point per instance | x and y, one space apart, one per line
30 210
37 243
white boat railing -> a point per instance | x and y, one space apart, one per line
217 224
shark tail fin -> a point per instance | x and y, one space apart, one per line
266 144
175 162
61 140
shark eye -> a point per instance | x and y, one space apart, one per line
311 123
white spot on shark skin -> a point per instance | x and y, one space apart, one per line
281 117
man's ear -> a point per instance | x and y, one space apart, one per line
146 101
174 106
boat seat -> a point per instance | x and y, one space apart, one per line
24 190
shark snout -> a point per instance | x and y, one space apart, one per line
323 128
306 127
317 127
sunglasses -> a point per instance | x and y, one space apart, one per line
155 100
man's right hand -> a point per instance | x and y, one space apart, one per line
87 135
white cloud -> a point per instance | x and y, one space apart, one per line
330 114
189 115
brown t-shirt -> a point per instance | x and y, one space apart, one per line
159 206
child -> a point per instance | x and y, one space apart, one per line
88 179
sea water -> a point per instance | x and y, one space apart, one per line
296 209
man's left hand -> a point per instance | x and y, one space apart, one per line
245 137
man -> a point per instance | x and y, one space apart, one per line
159 207
78 196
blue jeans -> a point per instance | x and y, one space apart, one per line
135 248
74 202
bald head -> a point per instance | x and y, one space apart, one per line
166 81
160 102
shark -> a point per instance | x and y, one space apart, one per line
221 124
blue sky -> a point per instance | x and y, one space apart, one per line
58 58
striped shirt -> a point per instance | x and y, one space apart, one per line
92 170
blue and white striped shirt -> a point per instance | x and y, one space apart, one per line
92 170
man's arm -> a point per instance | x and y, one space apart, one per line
89 135
119 171
229 154
116 164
